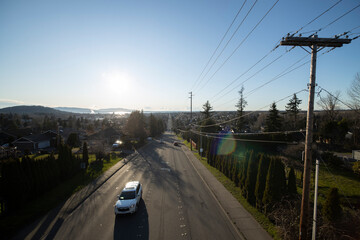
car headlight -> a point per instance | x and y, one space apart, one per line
132 206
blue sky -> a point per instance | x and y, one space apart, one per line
149 54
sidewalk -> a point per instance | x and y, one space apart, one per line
243 220
47 226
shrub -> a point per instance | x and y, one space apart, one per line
291 186
332 209
331 159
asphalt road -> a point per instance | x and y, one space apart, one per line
176 203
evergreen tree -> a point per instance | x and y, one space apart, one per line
273 120
264 163
153 126
275 184
251 176
291 186
207 120
245 164
240 110
73 140
85 154
332 209
292 108
207 110
135 125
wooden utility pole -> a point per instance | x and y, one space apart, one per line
314 43
191 95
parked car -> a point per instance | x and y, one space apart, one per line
129 198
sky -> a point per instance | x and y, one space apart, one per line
150 54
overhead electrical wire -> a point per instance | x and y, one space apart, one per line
266 66
337 19
338 99
316 17
227 43
233 119
238 46
290 49
283 73
261 133
222 39
246 71
243 139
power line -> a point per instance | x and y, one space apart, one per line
237 14
322 28
262 133
316 17
223 49
243 139
233 119
340 17
247 71
266 66
240 44
338 99
283 73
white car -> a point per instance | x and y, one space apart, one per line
129 198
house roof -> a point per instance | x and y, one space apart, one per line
34 138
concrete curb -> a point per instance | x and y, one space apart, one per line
98 182
242 220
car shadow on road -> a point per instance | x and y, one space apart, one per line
133 226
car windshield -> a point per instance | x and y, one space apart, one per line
127 195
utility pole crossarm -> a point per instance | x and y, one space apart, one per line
309 41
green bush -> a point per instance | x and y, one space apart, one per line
356 167
332 209
291 186
331 159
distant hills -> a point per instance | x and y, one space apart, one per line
59 110
30 110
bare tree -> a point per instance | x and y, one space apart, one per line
354 92
330 104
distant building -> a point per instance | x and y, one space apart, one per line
356 155
36 142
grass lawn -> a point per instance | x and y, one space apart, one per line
346 181
235 191
51 199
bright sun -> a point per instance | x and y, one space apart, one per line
115 81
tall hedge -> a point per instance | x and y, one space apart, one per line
243 171
275 184
332 209
291 186
264 162
251 176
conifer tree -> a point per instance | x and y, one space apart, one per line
293 109
85 154
240 110
291 186
251 176
245 164
264 162
332 209
273 120
275 184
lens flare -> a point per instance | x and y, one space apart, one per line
227 145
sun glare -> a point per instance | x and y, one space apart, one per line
115 81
